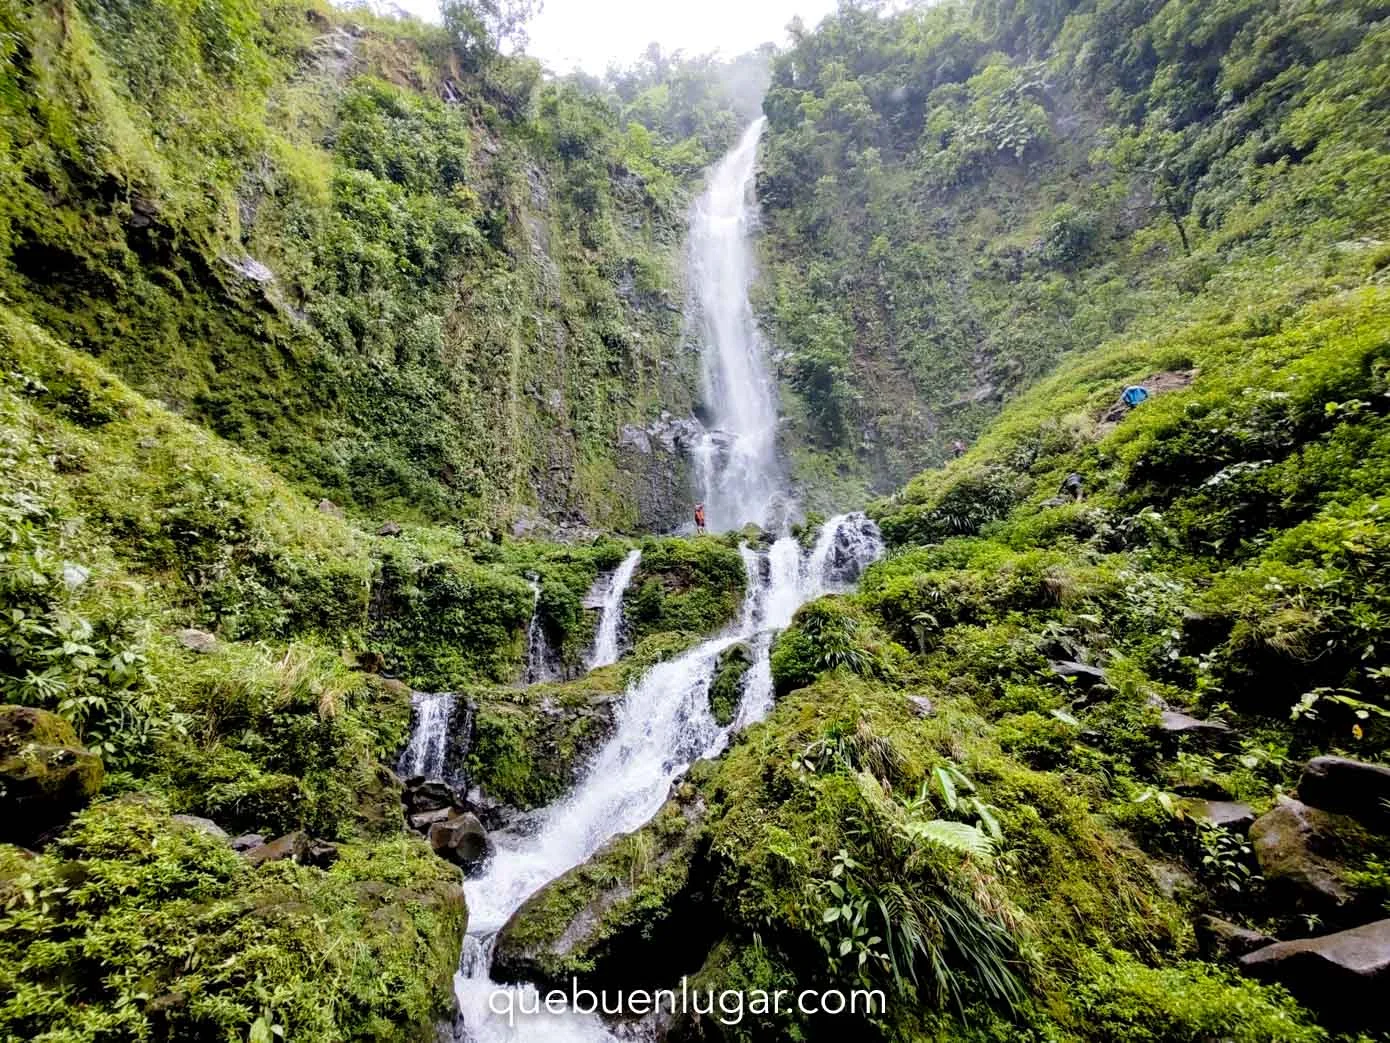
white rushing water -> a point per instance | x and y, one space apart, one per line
610 620
541 666
736 464
429 737
663 726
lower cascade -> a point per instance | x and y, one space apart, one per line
663 726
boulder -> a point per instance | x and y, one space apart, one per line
196 640
246 842
422 822
1227 814
636 915
1080 674
1348 787
203 825
1176 725
1219 939
921 705
45 775
1297 848
292 845
1342 976
461 840
390 529
422 795
327 506
321 853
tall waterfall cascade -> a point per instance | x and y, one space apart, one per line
664 723
663 726
738 474
610 620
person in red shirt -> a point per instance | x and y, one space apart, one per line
700 518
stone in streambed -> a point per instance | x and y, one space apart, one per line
726 686
461 840
1302 851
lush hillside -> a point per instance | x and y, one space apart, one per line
340 360
383 256
960 195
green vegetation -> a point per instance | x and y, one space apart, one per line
959 195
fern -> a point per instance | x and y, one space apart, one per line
955 836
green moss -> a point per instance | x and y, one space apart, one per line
726 687
690 585
171 932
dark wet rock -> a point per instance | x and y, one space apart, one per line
390 529
327 506
1175 724
203 825
1342 976
247 841
1227 814
635 915
1080 674
1299 849
1219 939
1348 787
45 774
460 839
921 705
321 853
423 795
197 640
293 846
422 822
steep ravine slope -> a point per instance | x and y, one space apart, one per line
417 282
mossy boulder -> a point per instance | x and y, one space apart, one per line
726 687
45 773
690 585
529 744
635 915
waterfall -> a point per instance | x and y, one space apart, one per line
605 650
663 726
664 723
541 664
736 465
429 736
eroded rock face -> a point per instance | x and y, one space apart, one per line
1348 787
1298 848
635 915
1219 939
45 775
461 839
1342 976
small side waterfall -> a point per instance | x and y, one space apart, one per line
429 736
610 620
542 665
664 725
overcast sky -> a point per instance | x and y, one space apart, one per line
592 33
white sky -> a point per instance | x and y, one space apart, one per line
591 33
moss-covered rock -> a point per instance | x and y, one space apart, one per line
726 687
529 744
45 774
635 915
689 585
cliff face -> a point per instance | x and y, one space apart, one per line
419 281
961 195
